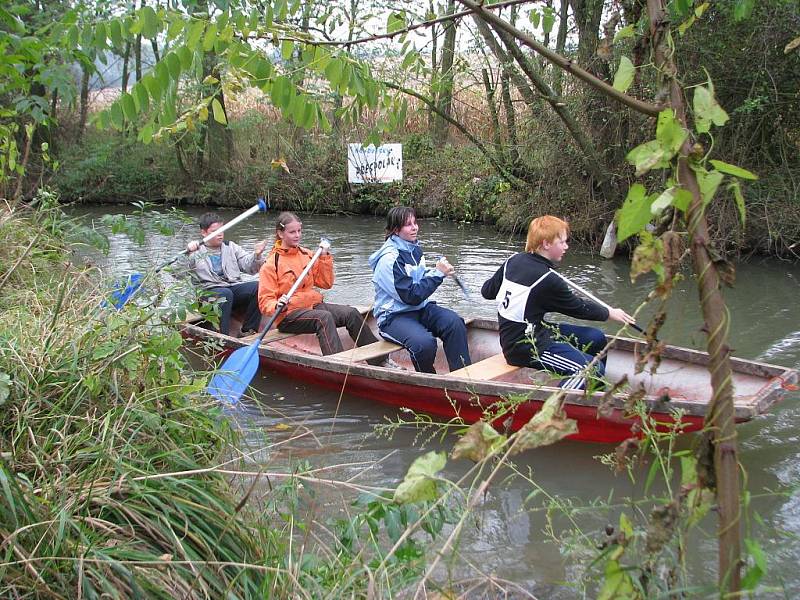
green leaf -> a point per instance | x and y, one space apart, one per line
153 87
548 19
128 106
175 29
624 75
709 182
706 109
409 59
743 9
420 482
547 426
650 155
730 169
669 132
626 32
617 584
480 440
634 214
150 22
115 33
195 33
210 37
219 112
185 57
173 65
395 22
682 199
739 199
287 49
100 35
142 100
535 18
162 75
755 573
334 71
281 92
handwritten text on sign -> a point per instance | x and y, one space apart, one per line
368 164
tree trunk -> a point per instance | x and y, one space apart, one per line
511 120
490 90
434 76
720 419
444 102
84 111
125 72
561 42
219 138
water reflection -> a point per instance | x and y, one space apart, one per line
325 429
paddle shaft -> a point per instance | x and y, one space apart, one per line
591 296
459 283
261 206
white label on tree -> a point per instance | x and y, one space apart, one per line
368 164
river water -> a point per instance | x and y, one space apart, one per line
512 537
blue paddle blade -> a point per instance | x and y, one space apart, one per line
235 374
122 290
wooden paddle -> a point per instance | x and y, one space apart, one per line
578 288
236 373
123 293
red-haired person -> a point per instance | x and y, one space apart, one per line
526 290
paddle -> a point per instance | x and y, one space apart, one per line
120 296
591 297
236 373
459 283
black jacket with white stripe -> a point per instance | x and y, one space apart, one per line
525 291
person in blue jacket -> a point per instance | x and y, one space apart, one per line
403 286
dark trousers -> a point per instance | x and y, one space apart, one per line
574 347
323 320
417 331
237 296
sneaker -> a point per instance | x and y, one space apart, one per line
390 364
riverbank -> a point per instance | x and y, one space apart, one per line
307 172
121 477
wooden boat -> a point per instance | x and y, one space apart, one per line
681 381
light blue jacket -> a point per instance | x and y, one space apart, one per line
402 281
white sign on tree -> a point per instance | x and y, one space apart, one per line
370 164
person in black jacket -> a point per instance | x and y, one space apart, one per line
526 288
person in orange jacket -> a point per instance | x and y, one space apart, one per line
306 311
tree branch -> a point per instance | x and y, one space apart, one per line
478 144
564 63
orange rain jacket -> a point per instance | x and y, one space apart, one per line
279 272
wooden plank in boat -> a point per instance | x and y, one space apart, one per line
373 350
272 336
486 369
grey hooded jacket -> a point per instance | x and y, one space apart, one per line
236 261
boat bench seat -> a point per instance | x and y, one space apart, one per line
486 369
373 350
272 336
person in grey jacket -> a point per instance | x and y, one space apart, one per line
217 268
